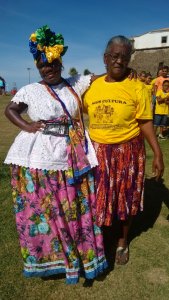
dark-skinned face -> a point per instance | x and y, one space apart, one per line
165 72
148 79
117 61
50 72
142 77
166 87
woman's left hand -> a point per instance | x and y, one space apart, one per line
147 129
158 166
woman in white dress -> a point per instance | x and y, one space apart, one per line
51 166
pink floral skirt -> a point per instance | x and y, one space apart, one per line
119 180
56 224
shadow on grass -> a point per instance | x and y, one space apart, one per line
155 194
87 282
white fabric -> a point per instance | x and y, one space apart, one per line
36 150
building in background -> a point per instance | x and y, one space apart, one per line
151 51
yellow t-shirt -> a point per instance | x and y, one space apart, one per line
153 81
153 85
113 109
163 108
149 88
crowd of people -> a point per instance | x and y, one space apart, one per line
4 90
67 182
158 89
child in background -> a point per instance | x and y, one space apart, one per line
142 76
159 73
162 109
149 87
159 81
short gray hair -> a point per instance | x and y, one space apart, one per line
119 39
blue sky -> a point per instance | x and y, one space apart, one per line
86 26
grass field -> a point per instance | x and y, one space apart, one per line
146 276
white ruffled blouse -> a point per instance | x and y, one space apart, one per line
37 150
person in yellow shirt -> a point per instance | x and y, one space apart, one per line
149 79
162 109
159 73
149 87
112 111
142 76
159 81
119 117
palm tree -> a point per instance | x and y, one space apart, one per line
73 72
87 72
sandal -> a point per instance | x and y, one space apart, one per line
122 255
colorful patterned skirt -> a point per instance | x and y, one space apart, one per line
56 224
119 180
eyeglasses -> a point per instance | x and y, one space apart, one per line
115 57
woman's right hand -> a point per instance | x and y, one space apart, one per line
34 126
13 112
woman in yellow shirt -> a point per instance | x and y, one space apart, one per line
119 116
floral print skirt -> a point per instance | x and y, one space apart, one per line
119 180
56 224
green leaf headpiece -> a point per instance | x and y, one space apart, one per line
45 43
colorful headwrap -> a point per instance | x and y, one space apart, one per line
45 43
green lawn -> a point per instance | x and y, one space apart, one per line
146 276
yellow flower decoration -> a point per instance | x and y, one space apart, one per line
50 45
33 37
53 52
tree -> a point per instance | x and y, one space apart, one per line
86 72
73 72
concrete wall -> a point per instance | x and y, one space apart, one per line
148 60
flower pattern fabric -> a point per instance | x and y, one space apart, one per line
56 224
119 180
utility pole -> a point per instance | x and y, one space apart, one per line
29 74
